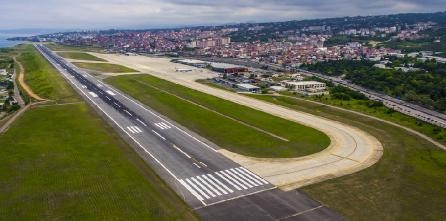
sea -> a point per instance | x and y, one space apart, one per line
5 43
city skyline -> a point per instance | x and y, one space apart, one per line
136 14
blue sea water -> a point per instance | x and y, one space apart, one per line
5 43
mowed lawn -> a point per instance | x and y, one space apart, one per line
79 56
408 183
60 47
232 126
64 163
104 67
42 77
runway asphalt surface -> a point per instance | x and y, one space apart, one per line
213 185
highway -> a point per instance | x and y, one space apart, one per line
404 107
208 182
416 111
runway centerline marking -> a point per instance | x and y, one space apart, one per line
114 121
93 94
159 135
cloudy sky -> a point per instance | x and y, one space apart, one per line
94 14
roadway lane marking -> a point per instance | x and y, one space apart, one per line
110 92
196 165
159 135
203 164
191 190
93 94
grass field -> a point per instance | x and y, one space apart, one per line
63 162
363 106
79 56
59 47
234 127
408 183
104 67
385 113
43 78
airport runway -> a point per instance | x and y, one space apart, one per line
213 185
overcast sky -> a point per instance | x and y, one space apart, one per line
98 14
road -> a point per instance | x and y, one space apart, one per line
17 95
401 106
209 183
404 107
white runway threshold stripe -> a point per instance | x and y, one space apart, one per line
134 129
220 183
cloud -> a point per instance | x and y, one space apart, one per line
68 14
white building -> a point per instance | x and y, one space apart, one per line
192 62
307 87
248 88
278 88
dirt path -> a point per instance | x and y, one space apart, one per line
21 79
23 83
11 120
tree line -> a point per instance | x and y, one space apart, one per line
426 87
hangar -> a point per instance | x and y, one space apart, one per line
227 68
